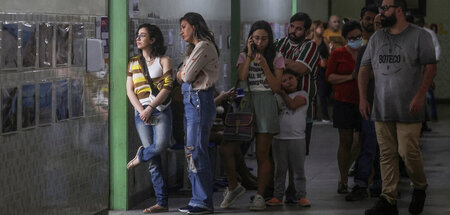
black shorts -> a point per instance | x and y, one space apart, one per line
346 115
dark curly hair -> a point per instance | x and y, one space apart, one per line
350 26
158 47
270 51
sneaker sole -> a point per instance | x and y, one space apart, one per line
235 199
183 211
257 209
274 204
198 213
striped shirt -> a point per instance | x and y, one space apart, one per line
140 83
308 54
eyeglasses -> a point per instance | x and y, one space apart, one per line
386 7
353 39
140 36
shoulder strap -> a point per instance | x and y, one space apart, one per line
155 90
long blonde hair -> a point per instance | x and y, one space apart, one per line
312 30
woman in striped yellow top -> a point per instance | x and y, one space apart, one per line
149 82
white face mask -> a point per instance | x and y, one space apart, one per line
354 44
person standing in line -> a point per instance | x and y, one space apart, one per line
323 87
369 157
403 61
149 82
261 67
366 19
198 75
333 33
301 55
289 145
346 118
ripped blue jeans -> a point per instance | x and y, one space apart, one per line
200 112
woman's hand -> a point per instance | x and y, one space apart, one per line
250 43
179 75
146 114
260 59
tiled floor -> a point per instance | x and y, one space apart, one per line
322 174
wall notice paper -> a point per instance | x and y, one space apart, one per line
78 44
9 45
28 105
170 40
45 103
45 44
62 44
77 97
28 45
9 109
62 104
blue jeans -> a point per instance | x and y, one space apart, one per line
200 112
368 157
430 97
155 139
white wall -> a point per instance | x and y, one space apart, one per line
169 9
347 8
272 11
85 7
317 9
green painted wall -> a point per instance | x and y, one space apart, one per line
118 25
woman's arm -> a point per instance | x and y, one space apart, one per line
165 91
273 79
243 69
132 96
202 54
331 75
341 78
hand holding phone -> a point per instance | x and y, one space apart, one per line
251 47
230 90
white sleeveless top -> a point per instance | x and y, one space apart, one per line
155 70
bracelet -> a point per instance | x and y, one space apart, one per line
151 106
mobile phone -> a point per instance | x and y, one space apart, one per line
153 121
253 47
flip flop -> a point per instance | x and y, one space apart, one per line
135 161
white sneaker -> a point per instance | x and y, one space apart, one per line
259 203
230 196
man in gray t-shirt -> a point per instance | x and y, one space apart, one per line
403 62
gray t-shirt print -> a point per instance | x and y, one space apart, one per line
397 62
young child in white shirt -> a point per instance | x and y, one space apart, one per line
289 146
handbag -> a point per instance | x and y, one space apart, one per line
239 125
154 90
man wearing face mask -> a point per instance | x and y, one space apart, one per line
302 56
403 61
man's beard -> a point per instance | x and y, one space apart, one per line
295 39
388 21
